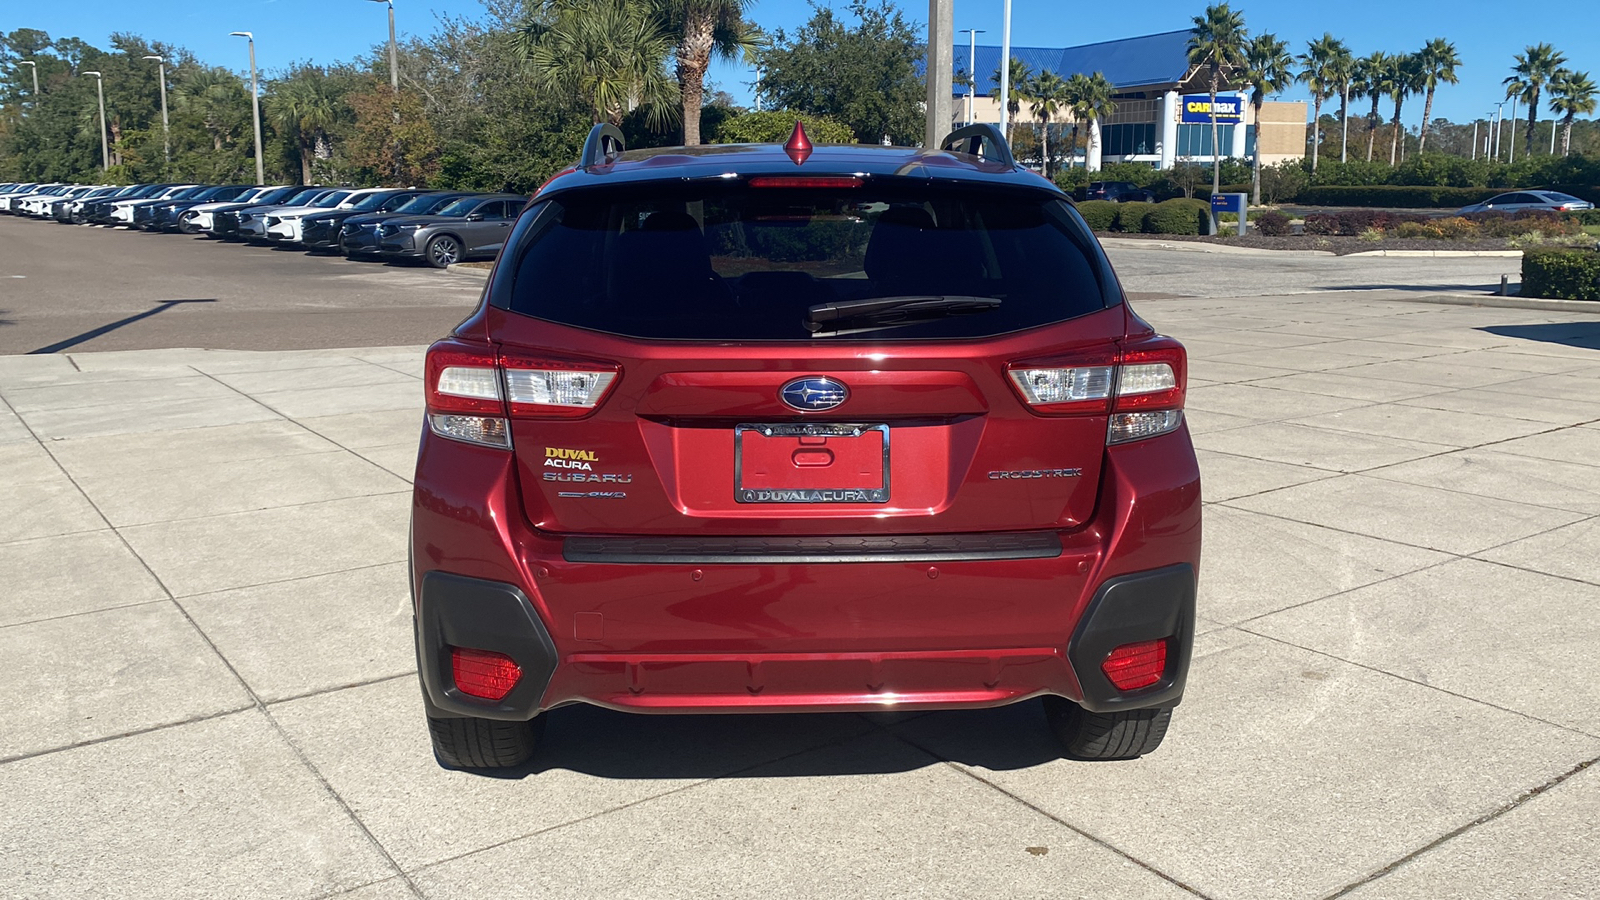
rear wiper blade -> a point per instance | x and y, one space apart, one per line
821 314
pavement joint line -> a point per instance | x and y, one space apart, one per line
242 512
1081 832
60 534
87 612
344 892
1505 565
1377 670
1240 625
732 773
290 580
1515 803
341 687
149 729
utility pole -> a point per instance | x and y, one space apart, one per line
35 67
255 103
1511 156
1474 139
166 132
1344 137
941 71
105 146
1005 74
972 69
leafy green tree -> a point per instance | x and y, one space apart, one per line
392 137
1217 43
1268 69
1572 94
864 74
773 126
305 105
1536 67
702 29
1437 61
1320 73
1019 78
609 53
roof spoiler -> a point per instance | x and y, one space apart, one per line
604 142
981 139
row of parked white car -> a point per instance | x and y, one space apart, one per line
438 227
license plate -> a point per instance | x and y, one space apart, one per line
811 463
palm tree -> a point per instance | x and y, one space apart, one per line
702 29
1320 76
1373 74
1217 42
219 99
1268 69
1572 94
1535 68
611 54
1048 94
1097 104
304 104
1077 91
1020 76
1437 61
1342 69
1405 79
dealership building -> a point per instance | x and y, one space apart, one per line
1162 104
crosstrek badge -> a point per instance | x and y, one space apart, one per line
564 458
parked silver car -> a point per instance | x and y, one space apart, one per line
472 227
1517 201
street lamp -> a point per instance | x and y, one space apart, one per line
972 67
105 148
35 67
394 54
1005 74
166 133
255 102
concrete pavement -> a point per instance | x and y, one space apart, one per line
209 688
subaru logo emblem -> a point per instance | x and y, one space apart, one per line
810 394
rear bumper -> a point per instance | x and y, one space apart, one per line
968 626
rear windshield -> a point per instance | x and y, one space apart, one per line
875 262
425 204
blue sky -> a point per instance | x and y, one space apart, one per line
1485 34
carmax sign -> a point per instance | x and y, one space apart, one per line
1197 109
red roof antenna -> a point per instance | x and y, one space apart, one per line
798 146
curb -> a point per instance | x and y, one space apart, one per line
1446 254
1498 302
469 271
1197 247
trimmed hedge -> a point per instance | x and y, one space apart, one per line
1177 216
1561 273
1099 214
1400 196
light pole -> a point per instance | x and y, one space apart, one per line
394 54
940 71
35 67
972 67
1511 156
1005 74
166 132
105 148
1474 139
255 102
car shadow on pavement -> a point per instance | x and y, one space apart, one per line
93 333
1572 334
1414 288
608 744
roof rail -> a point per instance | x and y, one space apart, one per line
981 139
604 141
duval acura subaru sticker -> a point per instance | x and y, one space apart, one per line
811 394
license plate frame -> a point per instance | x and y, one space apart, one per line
808 495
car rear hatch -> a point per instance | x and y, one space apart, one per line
827 357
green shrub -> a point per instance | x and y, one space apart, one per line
1177 217
1130 217
1561 273
1400 196
775 126
1100 214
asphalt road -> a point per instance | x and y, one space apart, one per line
79 288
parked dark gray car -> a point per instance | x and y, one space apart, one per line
470 228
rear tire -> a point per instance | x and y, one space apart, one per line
1126 734
466 743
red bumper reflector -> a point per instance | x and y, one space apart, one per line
1134 666
483 673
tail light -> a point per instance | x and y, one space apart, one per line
1134 666
1142 389
473 392
484 673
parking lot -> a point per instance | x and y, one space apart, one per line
210 693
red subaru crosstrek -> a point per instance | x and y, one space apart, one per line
788 428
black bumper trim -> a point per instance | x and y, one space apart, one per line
457 611
1144 606
779 550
